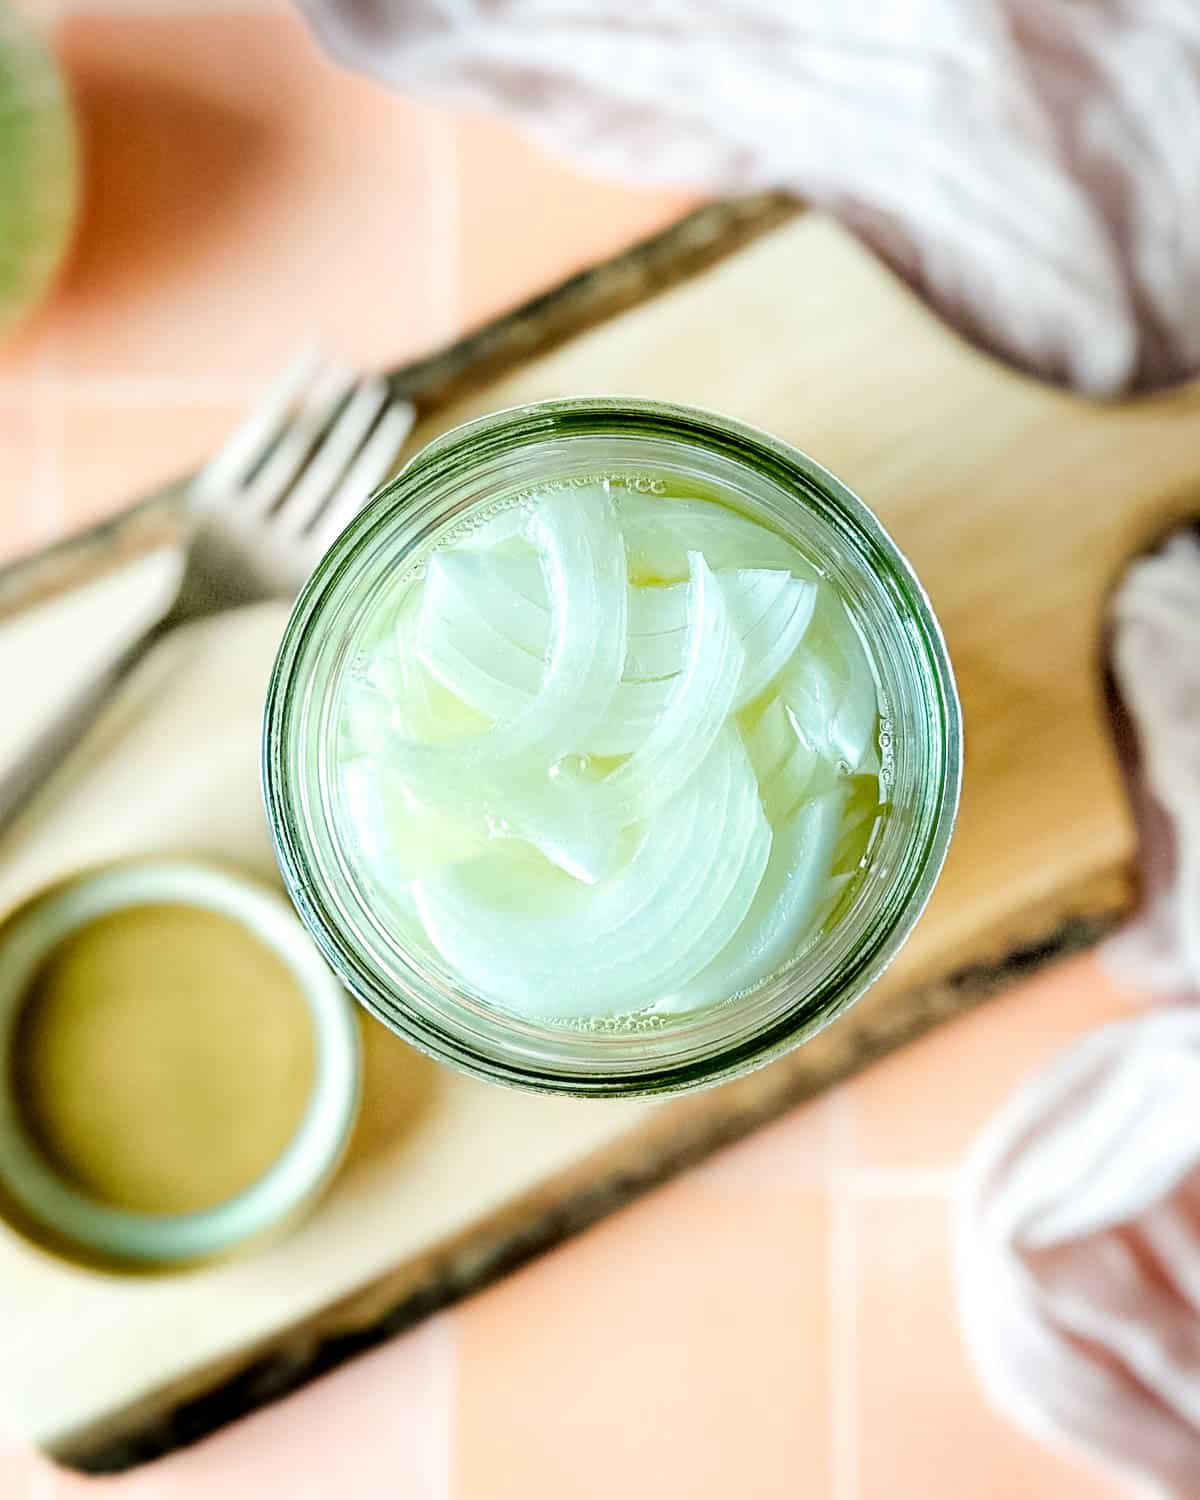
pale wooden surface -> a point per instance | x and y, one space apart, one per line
1019 506
174 767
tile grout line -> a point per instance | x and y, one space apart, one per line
843 1273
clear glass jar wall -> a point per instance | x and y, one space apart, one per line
497 467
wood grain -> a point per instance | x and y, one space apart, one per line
1019 505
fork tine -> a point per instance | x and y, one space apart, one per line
372 465
301 506
246 447
326 393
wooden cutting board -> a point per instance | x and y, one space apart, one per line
1019 506
1017 503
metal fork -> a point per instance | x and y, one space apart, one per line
261 514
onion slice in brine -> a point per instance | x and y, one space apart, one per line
830 687
484 632
661 531
575 819
561 952
696 708
793 897
583 561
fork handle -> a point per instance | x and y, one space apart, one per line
35 764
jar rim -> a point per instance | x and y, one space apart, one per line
54 1211
416 498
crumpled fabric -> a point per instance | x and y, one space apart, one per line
1032 167
1156 666
1077 1217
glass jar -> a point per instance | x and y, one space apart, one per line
474 473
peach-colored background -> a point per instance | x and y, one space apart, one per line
776 1323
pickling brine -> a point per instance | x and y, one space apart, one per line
614 755
612 749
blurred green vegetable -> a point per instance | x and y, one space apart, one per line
39 168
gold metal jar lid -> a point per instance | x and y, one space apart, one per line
53 1211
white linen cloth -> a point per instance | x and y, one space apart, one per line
1078 1212
1032 166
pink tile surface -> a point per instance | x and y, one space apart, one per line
17 1470
777 1322
241 193
799 1150
680 1348
381 1426
976 1061
924 1430
113 448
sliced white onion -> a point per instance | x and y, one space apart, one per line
661 531
368 719
803 774
486 778
656 610
756 598
700 701
506 526
506 591
470 658
569 953
484 632
831 688
635 709
734 702
793 896
400 838
771 642
785 760
769 737
421 708
576 819
583 561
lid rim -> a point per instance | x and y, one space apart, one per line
136 1239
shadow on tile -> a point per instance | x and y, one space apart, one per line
166 175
